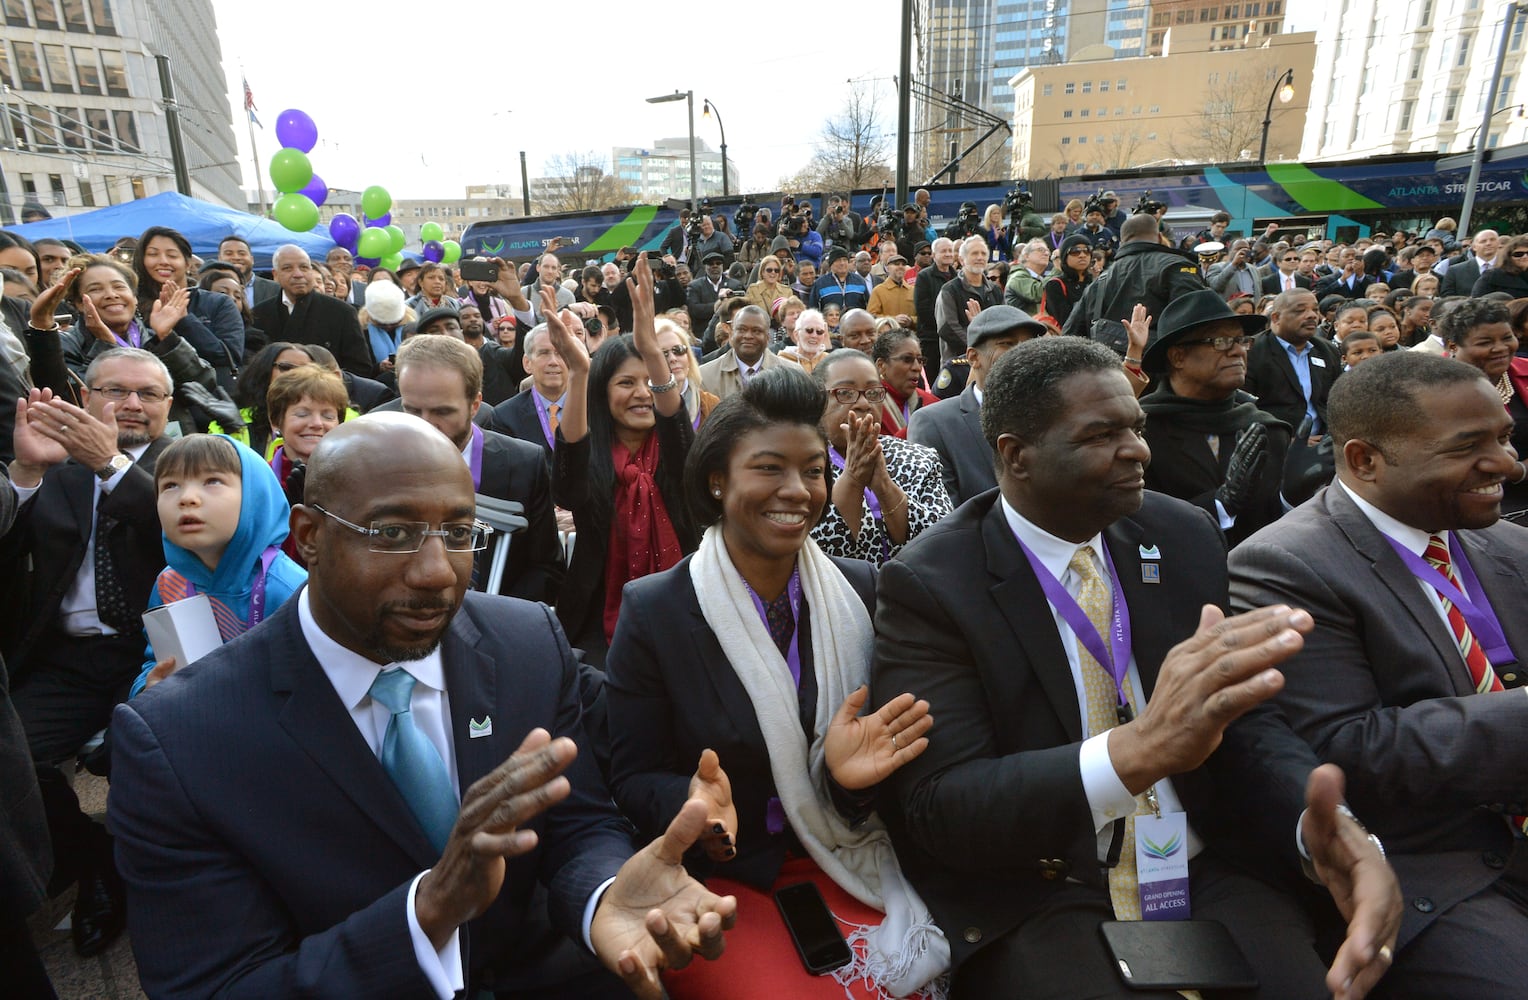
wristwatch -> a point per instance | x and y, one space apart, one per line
118 463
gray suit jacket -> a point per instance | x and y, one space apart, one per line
953 428
1381 690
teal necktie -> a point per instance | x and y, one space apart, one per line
412 761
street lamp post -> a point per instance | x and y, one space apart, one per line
1284 90
709 109
1513 10
688 96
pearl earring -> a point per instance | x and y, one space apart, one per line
716 493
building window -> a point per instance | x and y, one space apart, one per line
56 189
1408 109
5 65
1451 105
1066 140
1082 140
16 13
1120 85
1103 86
70 128
1416 65
46 13
1505 93
74 16
1464 50
98 127
1067 113
139 191
127 131
1156 109
28 69
58 69
1119 112
1425 18
1102 113
1083 113
116 73
1071 88
1151 137
19 130
29 187
105 21
1517 33
87 196
1087 86
87 70
1045 91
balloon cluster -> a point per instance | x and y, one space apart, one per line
373 238
302 191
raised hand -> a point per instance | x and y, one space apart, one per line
1206 682
50 298
711 785
169 309
35 451
467 878
655 916
862 751
1361 882
95 324
508 284
560 327
1139 329
862 454
89 440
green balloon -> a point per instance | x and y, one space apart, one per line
399 239
375 201
374 242
291 171
453 252
296 211
430 231
393 261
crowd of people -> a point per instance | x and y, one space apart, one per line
968 578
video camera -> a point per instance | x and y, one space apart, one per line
966 224
1147 205
743 218
702 211
1017 204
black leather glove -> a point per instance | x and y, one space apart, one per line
1244 470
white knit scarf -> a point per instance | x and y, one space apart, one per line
907 951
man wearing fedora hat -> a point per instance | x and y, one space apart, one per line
1210 444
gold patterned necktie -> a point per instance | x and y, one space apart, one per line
553 412
1096 598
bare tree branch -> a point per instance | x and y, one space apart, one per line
577 182
1229 123
851 151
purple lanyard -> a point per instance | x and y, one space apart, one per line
1481 619
870 498
475 457
133 336
1116 658
793 656
257 592
546 425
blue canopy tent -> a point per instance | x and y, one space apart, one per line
203 223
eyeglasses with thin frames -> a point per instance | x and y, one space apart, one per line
848 395
117 394
1222 344
908 359
406 537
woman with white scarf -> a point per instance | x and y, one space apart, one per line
739 676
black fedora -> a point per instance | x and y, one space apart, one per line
1188 313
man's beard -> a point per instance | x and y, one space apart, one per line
375 641
132 438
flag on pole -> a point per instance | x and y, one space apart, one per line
249 102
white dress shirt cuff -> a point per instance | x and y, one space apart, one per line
590 907
442 968
1227 520
24 493
1108 797
525 316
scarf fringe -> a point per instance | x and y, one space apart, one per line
873 967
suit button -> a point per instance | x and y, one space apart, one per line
1493 860
972 935
1423 904
1509 678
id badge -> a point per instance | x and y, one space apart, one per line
1161 862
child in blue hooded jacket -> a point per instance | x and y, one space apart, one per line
224 518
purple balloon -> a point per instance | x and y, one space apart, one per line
294 128
382 221
369 261
344 229
316 190
434 250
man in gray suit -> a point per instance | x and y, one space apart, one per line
1460 276
1413 697
953 427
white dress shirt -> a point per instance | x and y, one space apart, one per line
77 610
1413 539
1108 798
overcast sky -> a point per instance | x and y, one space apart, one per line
426 98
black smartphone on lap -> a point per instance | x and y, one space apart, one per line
813 928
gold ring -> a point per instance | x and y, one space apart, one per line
1386 953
